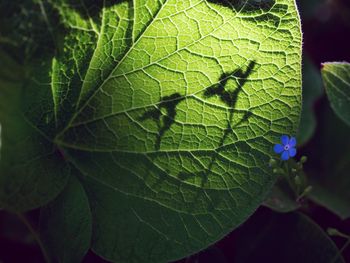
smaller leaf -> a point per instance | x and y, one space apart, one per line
65 225
290 188
312 90
292 237
281 198
326 195
329 166
32 169
336 77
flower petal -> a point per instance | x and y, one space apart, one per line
285 156
292 142
292 152
284 139
278 148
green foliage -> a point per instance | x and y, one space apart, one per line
336 77
32 170
331 183
296 238
312 90
330 179
166 110
291 187
65 225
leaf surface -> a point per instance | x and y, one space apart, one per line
169 109
336 77
32 170
265 236
65 224
178 127
312 91
330 174
282 198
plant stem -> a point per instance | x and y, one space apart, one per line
340 252
288 177
35 235
347 243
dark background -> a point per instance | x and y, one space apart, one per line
326 31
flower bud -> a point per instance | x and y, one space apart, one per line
297 180
272 163
303 159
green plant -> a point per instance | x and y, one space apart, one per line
143 129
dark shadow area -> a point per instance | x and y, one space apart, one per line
325 29
91 8
229 97
257 11
164 121
246 5
265 228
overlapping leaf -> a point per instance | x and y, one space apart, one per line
336 77
65 225
330 176
32 170
302 241
312 90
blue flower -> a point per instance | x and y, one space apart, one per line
287 148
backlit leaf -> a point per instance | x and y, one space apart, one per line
169 109
336 77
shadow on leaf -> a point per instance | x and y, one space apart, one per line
164 121
244 6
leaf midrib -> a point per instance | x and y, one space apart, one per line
76 114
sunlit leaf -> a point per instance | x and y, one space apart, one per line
169 110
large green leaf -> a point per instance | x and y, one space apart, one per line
336 77
169 109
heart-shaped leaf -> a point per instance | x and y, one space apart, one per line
169 110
